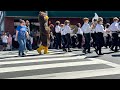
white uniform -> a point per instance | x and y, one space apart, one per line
67 29
62 31
99 28
93 31
4 39
57 29
86 28
114 27
80 31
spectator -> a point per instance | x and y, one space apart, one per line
21 33
10 42
4 41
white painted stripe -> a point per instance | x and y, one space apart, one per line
42 60
105 62
40 56
35 67
74 74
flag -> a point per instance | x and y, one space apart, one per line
95 17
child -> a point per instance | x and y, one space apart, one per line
4 41
10 41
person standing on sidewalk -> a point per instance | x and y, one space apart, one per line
21 34
4 41
28 43
10 42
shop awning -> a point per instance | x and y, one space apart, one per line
74 14
62 14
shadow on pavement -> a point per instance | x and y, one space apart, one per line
92 56
117 55
108 52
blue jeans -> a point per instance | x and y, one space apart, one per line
22 44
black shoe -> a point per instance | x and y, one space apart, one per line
100 54
69 50
19 54
65 50
111 49
96 52
116 50
23 54
89 52
84 51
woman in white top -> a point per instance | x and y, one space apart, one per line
79 35
4 41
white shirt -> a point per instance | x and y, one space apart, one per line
86 28
57 29
99 28
114 26
62 31
93 31
80 31
67 29
28 29
4 39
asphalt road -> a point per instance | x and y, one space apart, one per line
60 65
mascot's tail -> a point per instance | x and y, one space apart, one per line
95 17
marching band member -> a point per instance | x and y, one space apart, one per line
79 35
63 37
93 33
58 35
99 36
67 34
86 30
107 35
114 29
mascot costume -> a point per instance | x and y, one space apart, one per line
44 33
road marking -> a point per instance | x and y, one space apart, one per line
40 56
105 62
42 60
46 66
74 74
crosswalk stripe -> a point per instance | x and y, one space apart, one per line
46 66
74 74
105 62
16 54
40 56
42 60
54 56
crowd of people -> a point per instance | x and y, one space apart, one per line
93 34
96 35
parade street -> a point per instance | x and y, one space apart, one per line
60 65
